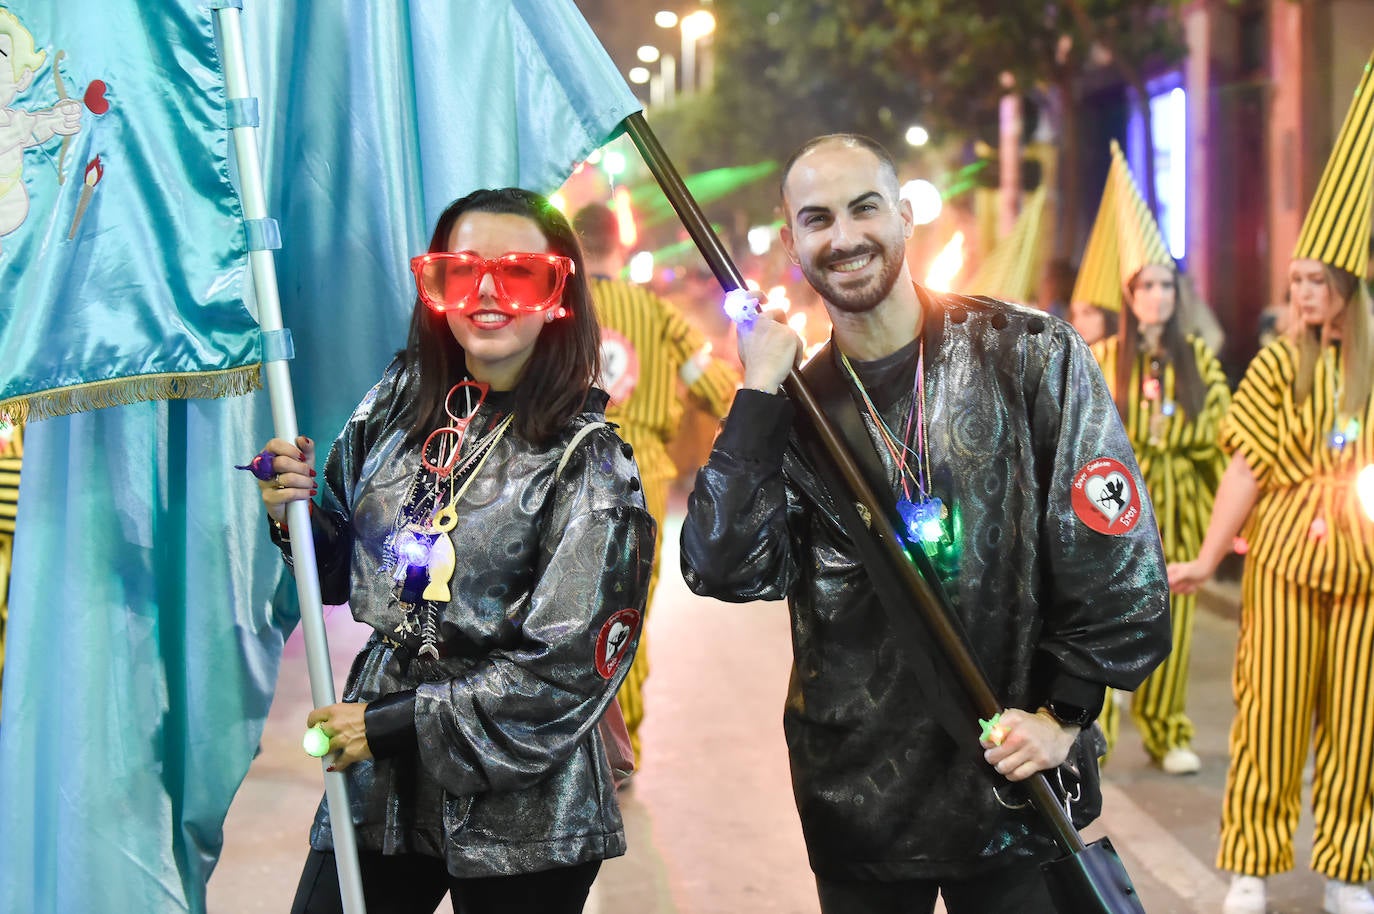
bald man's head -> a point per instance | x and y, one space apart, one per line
887 168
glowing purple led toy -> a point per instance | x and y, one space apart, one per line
260 466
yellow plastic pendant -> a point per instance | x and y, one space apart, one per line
441 564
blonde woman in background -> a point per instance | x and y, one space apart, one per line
1298 433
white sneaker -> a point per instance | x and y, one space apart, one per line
1181 760
1246 896
1347 898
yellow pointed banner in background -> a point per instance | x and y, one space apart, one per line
1336 230
1011 271
1124 238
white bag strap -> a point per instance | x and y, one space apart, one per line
581 433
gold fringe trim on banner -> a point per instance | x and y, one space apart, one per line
64 401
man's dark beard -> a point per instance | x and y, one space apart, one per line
855 301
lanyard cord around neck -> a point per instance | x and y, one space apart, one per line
915 420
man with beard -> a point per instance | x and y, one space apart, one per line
997 432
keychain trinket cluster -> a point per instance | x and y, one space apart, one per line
419 553
927 522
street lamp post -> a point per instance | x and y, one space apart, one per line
695 26
667 77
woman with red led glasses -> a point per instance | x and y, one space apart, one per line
481 517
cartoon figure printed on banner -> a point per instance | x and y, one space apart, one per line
22 128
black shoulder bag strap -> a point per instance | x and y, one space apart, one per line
946 702
1089 880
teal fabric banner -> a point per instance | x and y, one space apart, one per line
122 253
141 658
376 116
143 646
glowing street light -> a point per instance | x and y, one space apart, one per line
665 19
917 135
760 240
695 26
926 202
647 53
613 162
698 25
639 75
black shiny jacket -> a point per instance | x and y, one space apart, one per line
1021 428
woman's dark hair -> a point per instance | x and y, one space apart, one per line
1188 388
567 355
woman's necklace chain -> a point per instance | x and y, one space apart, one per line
1153 384
1341 433
419 553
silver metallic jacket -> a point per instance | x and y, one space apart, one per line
510 775
1017 413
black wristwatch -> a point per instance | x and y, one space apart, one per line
1070 715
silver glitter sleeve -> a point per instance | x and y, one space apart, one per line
1106 615
735 541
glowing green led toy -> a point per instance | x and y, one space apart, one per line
316 742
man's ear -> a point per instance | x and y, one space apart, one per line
788 242
908 218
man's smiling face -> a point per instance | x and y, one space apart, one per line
846 226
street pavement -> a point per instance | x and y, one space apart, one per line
709 817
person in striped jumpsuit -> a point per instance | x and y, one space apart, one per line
1299 432
11 460
1171 392
648 349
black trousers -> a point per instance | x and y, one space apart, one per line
1015 889
415 884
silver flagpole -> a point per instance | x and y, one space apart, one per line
264 271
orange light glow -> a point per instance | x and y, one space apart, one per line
946 265
625 217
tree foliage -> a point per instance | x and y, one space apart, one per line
787 70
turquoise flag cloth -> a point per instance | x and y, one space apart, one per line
141 658
122 252
376 116
143 644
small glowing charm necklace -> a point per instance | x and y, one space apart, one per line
1340 434
1152 388
923 517
419 551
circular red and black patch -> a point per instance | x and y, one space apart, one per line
1105 497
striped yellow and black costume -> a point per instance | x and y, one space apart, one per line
11 459
1305 660
669 351
1181 464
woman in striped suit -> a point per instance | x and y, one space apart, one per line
1171 392
1298 432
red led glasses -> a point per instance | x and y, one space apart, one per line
525 282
